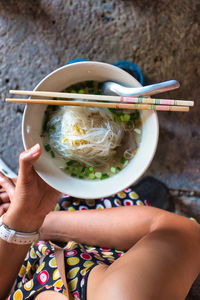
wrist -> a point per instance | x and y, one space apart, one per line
22 222
15 237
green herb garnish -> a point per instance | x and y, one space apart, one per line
130 123
4 171
123 160
113 170
113 110
52 154
104 176
91 176
87 172
126 117
78 171
83 169
135 116
70 162
73 174
47 147
98 175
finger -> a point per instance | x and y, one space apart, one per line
26 160
14 180
3 208
7 185
4 197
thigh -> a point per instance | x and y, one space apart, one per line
145 272
50 295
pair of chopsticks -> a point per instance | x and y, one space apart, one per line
118 102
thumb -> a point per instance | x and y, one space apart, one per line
26 160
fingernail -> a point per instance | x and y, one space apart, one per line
35 148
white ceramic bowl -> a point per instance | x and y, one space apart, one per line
45 165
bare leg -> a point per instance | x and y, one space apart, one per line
160 266
50 295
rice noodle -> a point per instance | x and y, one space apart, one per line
85 134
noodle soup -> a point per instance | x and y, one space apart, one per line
88 142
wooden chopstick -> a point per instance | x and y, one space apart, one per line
132 99
101 104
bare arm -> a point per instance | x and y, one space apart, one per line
117 228
30 201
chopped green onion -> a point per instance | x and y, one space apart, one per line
87 172
52 127
47 147
91 176
113 170
70 162
52 154
122 118
78 171
73 174
129 123
98 175
91 169
81 91
67 168
135 116
126 117
118 168
123 160
73 91
81 177
83 169
112 110
104 176
4 171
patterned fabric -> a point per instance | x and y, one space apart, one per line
39 271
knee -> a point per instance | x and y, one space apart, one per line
179 228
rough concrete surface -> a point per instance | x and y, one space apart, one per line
161 37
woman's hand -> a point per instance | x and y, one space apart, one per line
31 199
7 188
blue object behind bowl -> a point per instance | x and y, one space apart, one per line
128 66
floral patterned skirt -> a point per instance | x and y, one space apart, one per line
39 271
